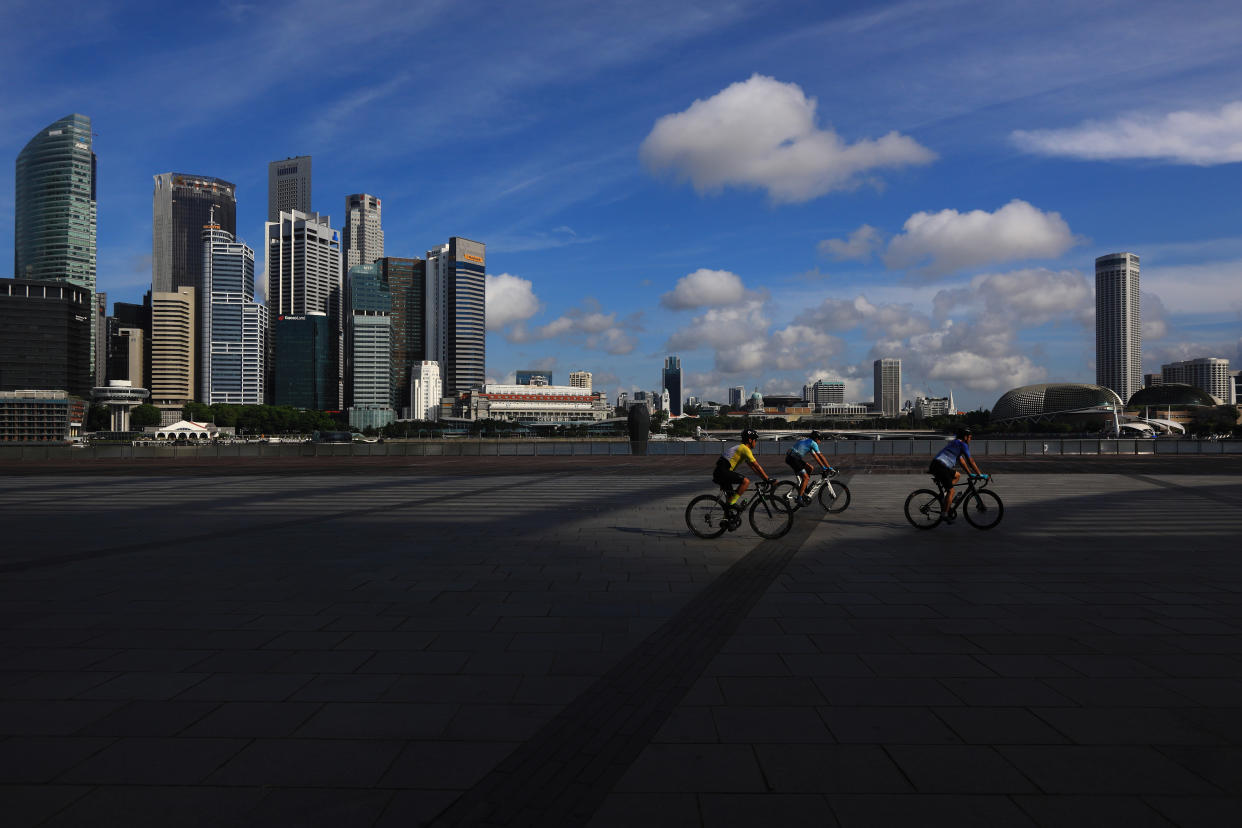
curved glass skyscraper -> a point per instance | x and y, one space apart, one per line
457 313
54 236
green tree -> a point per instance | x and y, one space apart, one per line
96 418
144 415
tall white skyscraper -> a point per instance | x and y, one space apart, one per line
425 391
580 379
288 186
304 276
1118 324
457 313
362 237
368 340
1210 374
233 326
887 387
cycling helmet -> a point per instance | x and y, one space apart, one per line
815 435
749 434
962 433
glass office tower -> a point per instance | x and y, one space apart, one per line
406 280
54 233
671 382
234 326
457 313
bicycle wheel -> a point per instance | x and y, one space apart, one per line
706 516
835 503
788 492
770 517
924 509
983 510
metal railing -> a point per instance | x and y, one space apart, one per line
466 447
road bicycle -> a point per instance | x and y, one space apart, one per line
709 516
833 495
983 509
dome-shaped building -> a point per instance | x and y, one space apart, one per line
1171 395
1046 401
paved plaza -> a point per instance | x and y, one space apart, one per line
541 642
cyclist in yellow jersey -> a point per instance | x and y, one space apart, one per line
726 475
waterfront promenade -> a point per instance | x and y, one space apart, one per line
540 641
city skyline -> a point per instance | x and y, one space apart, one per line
949 221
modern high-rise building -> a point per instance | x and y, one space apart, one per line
304 277
887 387
181 206
406 280
288 187
45 336
425 391
368 348
528 377
173 327
54 211
457 313
1210 374
1118 324
133 315
100 326
670 380
578 379
126 355
305 373
824 392
233 326
737 396
362 235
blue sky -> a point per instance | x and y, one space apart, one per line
775 191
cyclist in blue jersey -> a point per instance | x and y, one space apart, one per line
943 466
795 458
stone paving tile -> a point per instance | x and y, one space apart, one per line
407 808
149 718
65 685
1132 771
32 759
999 726
252 719
245 687
891 725
144 686
786 810
670 768
929 811
1199 811
897 692
828 768
318 808
52 717
30 805
958 769
152 806
623 810
1093 812
444 765
747 725
345 763
154 761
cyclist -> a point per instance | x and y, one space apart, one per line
795 458
944 466
726 475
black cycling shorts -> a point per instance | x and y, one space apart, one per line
942 473
725 477
795 462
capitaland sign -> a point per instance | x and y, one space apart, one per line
470 257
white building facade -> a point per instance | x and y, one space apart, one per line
887 387
1210 374
425 390
541 404
362 237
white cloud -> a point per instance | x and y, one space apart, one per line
1202 138
705 288
761 133
1209 287
862 244
588 324
1026 297
509 299
939 243
895 321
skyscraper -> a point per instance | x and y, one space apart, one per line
824 392
579 379
1210 374
406 280
233 330
45 336
887 387
362 236
54 233
671 382
181 206
173 321
527 377
368 339
100 325
457 313
305 373
737 396
288 186
304 277
1118 324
